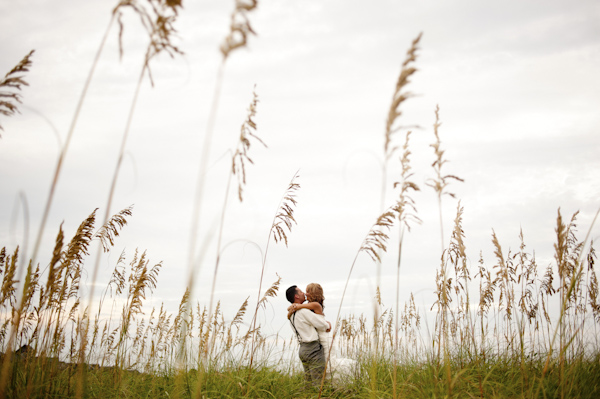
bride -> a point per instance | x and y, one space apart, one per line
337 368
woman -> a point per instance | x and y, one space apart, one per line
337 368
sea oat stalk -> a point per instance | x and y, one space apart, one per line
391 128
439 184
238 168
374 242
65 146
567 294
281 226
157 17
237 38
11 85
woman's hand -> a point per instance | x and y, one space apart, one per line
292 309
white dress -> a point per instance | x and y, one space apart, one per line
338 369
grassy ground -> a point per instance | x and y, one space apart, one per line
498 378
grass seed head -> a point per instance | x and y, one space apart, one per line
284 219
400 96
441 181
11 85
247 131
240 27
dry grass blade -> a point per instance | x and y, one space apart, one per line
486 289
117 278
111 228
239 28
54 272
457 244
162 31
182 314
284 219
504 278
439 184
376 239
13 80
378 298
158 22
239 316
391 127
254 331
67 141
271 292
157 17
441 181
78 247
405 207
30 287
528 277
560 247
406 210
240 156
2 258
458 257
237 168
566 292
8 280
399 95
141 279
593 283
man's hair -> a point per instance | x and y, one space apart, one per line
290 293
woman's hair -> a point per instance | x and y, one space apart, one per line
314 293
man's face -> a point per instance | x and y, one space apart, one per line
300 295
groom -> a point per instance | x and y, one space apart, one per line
305 324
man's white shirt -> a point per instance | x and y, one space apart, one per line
306 322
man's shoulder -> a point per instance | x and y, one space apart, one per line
303 312
299 312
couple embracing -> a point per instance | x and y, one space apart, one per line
312 330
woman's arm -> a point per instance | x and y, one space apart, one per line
314 306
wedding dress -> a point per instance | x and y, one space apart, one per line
338 369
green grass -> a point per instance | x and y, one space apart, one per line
501 378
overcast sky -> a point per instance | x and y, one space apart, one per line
517 84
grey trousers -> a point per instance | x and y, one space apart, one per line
313 360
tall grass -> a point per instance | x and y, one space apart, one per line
489 354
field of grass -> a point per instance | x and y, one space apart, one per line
503 330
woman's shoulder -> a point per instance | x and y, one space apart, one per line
315 306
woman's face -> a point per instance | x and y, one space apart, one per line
309 296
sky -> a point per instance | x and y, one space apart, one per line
516 82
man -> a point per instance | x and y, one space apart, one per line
305 324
